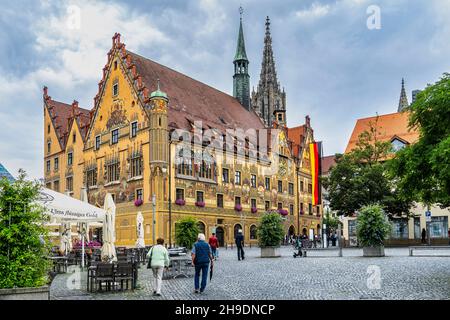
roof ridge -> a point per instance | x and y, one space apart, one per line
166 67
383 115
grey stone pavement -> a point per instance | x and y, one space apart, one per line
285 278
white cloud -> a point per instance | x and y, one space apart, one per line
314 12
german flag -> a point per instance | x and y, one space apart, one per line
315 152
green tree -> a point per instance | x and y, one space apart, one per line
372 227
270 230
24 242
359 178
423 168
186 232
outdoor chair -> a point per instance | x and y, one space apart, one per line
124 272
72 259
104 274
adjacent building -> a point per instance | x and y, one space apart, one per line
160 141
394 128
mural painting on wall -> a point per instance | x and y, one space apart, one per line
117 115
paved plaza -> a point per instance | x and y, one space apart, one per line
286 278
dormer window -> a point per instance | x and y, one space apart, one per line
397 145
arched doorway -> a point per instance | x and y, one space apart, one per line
237 227
291 231
304 232
220 234
201 227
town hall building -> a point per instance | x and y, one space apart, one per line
158 139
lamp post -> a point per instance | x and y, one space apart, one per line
153 217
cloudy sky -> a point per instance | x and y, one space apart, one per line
333 67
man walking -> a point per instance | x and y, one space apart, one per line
240 245
214 244
424 235
201 257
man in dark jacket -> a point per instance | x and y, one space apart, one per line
240 245
424 235
201 257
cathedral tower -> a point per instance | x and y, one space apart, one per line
268 96
241 78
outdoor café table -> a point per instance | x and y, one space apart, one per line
178 264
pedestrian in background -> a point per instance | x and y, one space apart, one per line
159 259
201 257
240 245
214 243
424 235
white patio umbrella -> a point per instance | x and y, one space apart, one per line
65 209
84 198
109 232
140 243
84 227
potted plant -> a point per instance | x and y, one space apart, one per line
138 202
238 208
254 210
186 232
283 212
270 234
372 229
24 242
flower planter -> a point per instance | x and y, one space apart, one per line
138 202
373 251
39 293
270 252
200 204
283 212
238 208
254 210
180 202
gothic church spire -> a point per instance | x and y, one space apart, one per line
403 103
269 97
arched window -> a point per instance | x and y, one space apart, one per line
201 227
183 162
253 233
207 169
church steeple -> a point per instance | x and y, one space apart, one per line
241 78
403 103
269 96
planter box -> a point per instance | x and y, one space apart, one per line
39 293
373 251
270 252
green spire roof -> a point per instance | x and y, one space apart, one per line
158 93
240 50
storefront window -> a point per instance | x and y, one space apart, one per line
399 229
439 227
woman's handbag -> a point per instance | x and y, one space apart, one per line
149 265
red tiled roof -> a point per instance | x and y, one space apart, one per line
61 114
327 163
389 126
191 100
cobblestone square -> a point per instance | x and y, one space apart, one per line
286 278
